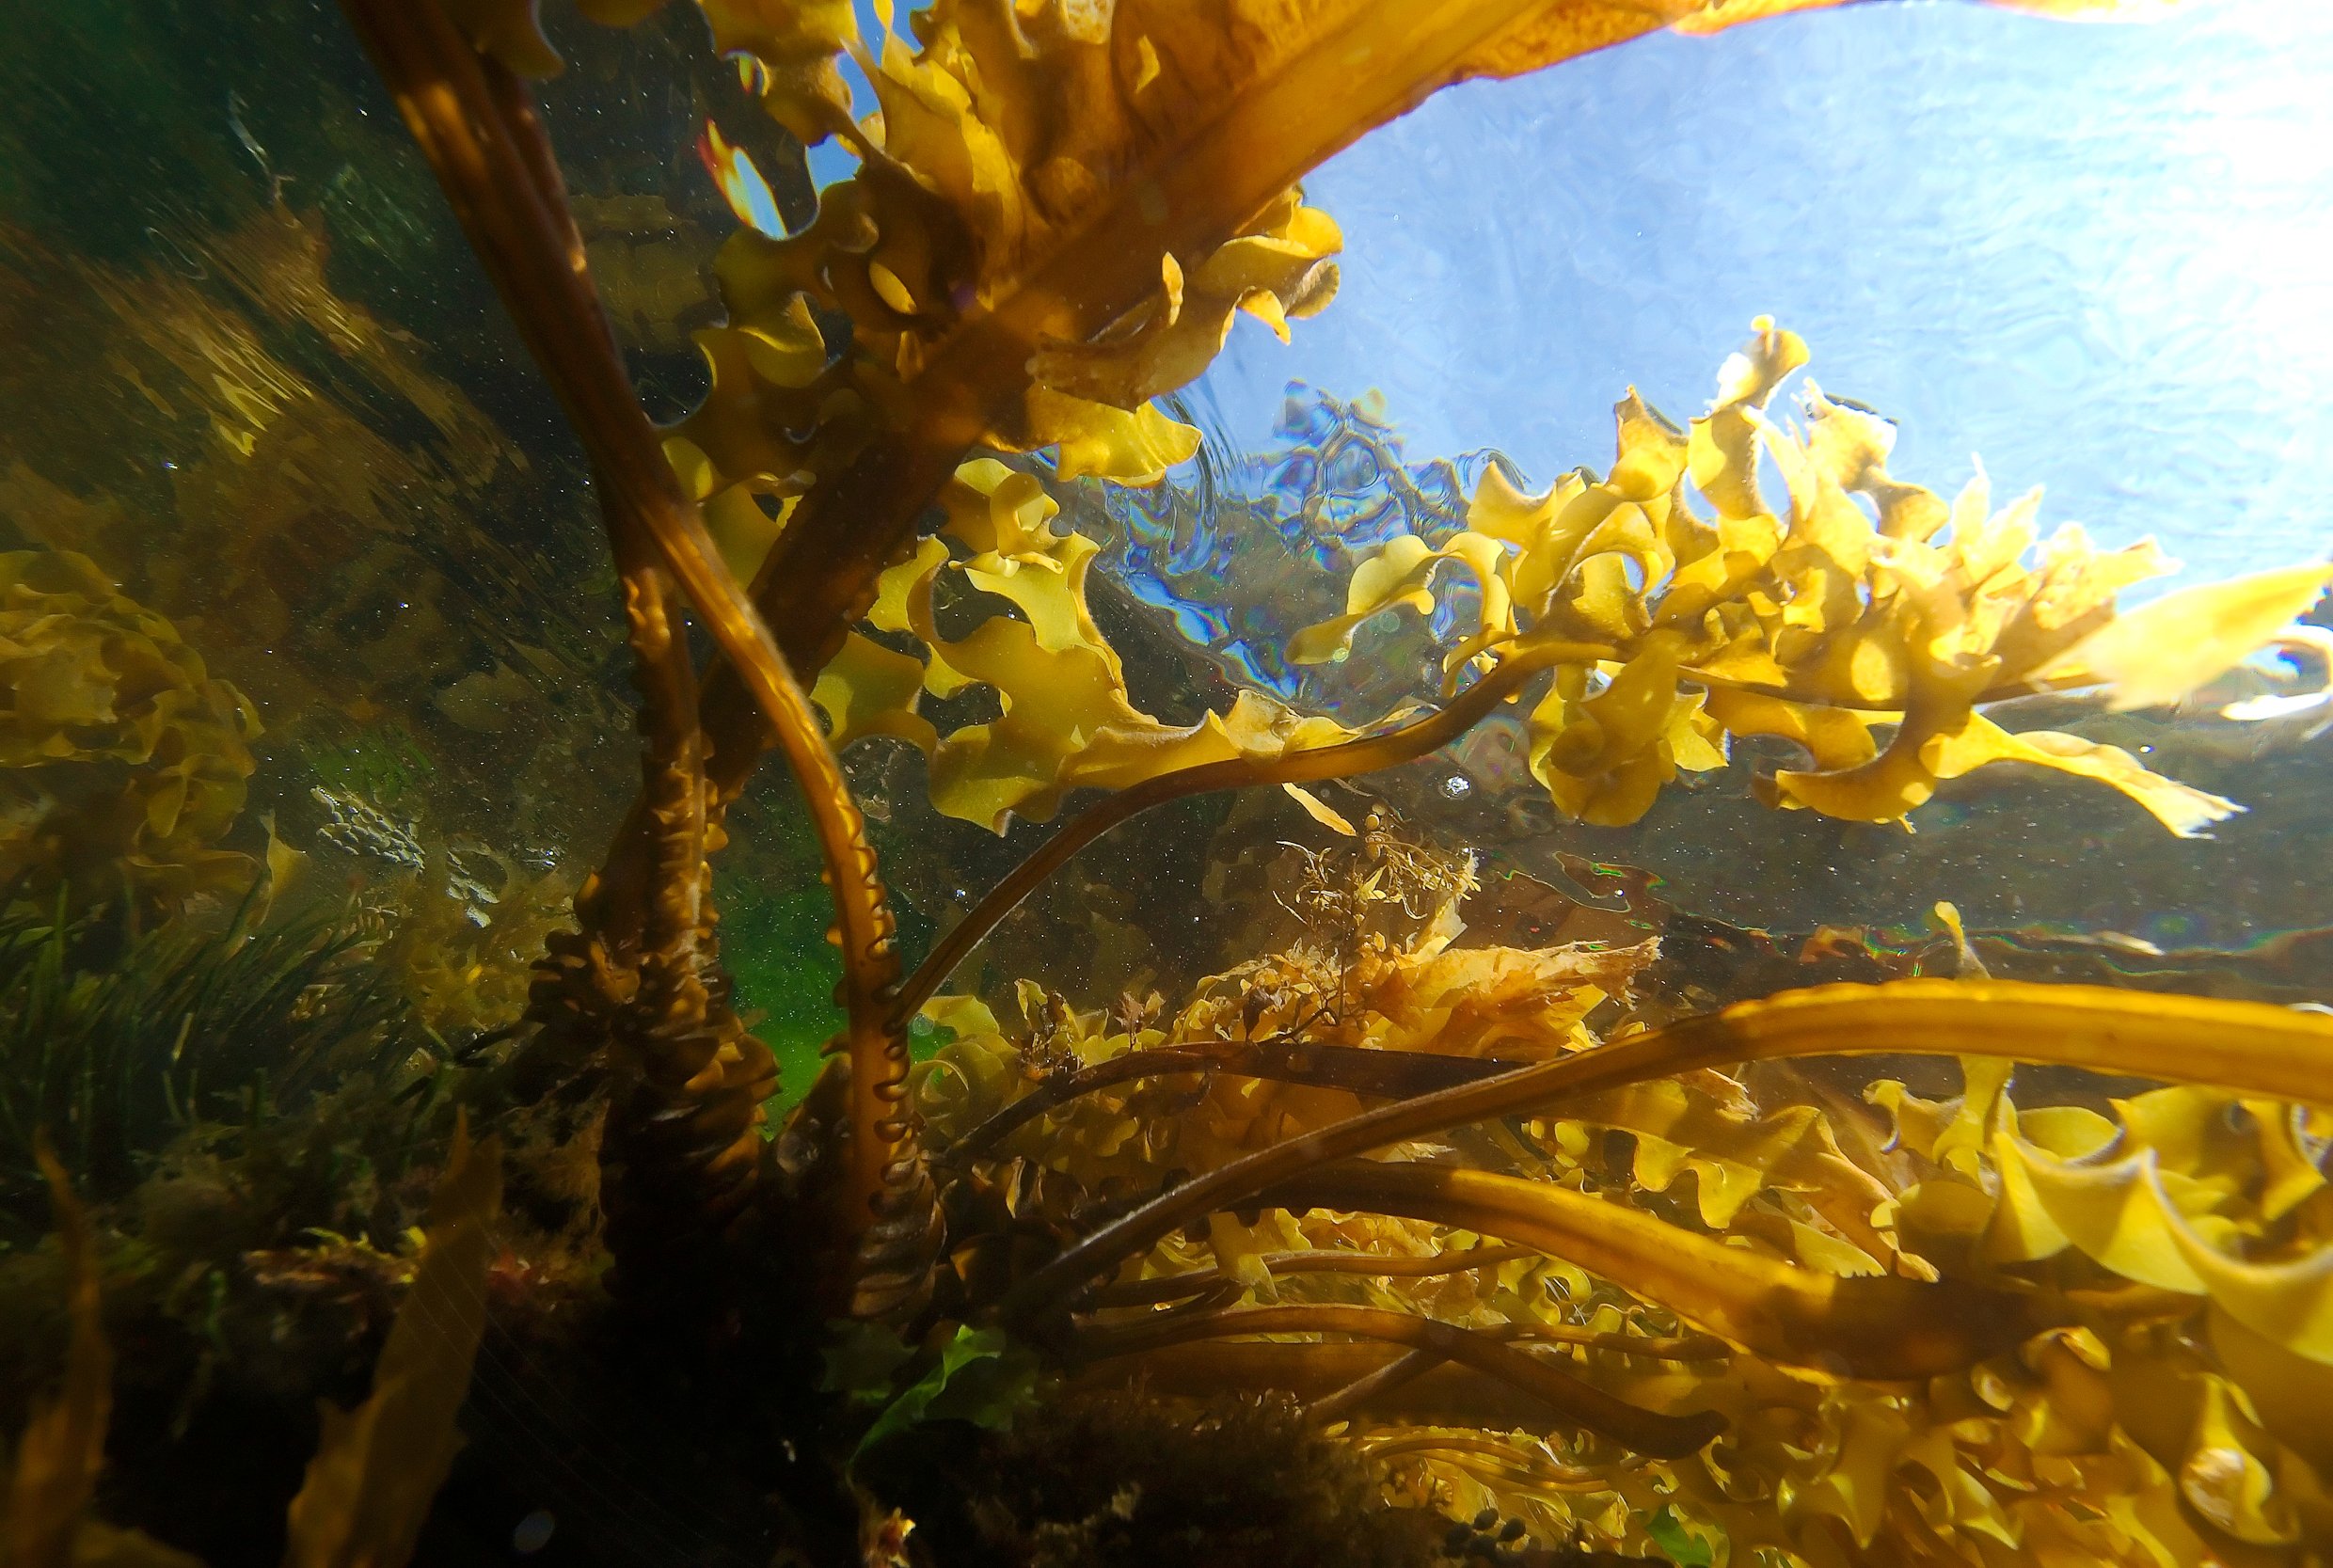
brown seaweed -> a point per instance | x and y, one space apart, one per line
1055 217
46 1522
378 1466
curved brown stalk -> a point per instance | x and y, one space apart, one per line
1399 1372
1390 1074
681 1150
1342 1403
1644 1432
1365 755
1673 1347
1175 1287
1313 1370
1879 1326
474 124
2252 1047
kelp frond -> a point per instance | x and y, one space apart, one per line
377 1467
1055 217
2242 1047
1864 625
2050 1310
1670 633
1866 601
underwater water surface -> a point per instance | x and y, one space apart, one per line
2089 255
990 845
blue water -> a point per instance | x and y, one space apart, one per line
2101 257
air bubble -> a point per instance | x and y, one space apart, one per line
533 1532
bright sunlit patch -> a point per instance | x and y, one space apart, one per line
741 184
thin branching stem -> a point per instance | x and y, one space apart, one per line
1403 1370
1360 1070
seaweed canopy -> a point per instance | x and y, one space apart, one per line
1726 1293
124 761
1059 212
2068 1325
1818 623
1864 619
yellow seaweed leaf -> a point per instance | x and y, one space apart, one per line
121 757
742 530
2124 1215
1815 627
871 689
1278 271
1836 738
2186 811
1735 1156
1067 721
1053 203
1904 776
2226 1482
1089 440
1319 811
1604 757
368 1490
1394 577
2162 651
797 44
